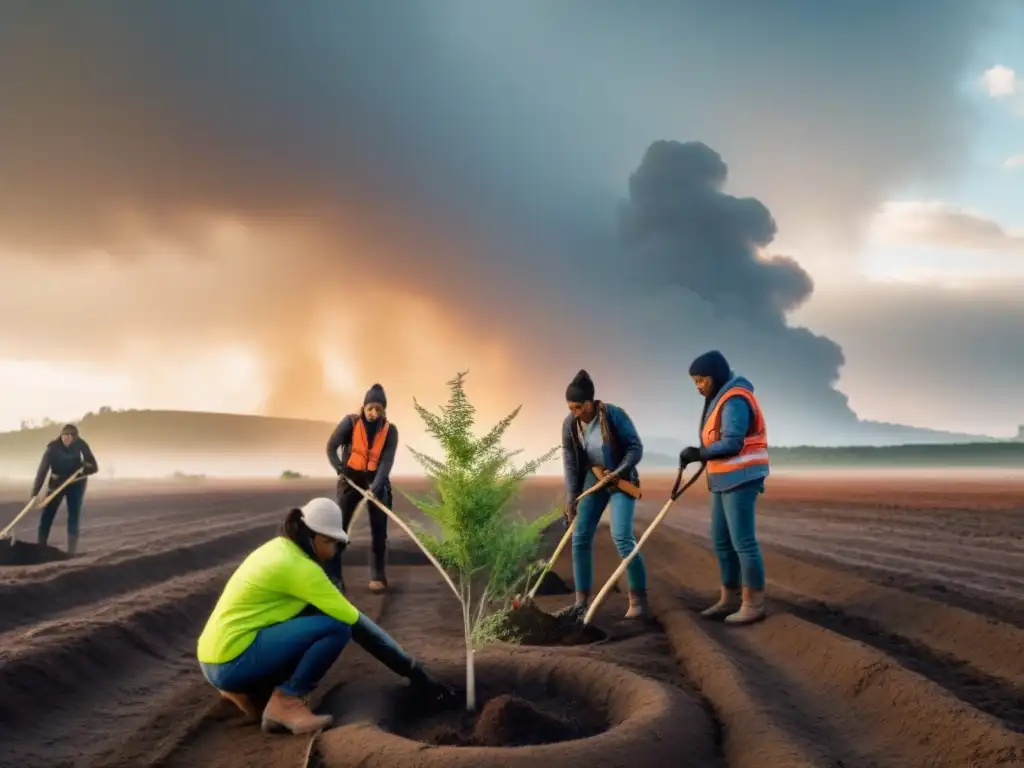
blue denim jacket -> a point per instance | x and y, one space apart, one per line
622 449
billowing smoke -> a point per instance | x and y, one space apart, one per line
687 231
701 260
417 188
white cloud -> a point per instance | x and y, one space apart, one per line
1000 82
943 225
1017 161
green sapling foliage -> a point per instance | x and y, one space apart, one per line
486 549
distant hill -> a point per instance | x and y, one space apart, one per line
139 443
151 442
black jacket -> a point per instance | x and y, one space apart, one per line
63 461
342 438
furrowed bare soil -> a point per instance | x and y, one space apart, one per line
894 639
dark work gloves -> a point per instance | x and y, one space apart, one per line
432 692
382 647
689 455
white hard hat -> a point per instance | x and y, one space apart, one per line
322 515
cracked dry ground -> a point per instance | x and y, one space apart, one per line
896 634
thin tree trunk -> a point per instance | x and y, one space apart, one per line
470 666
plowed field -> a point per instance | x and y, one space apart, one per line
895 638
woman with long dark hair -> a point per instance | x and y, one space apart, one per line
734 445
280 624
600 444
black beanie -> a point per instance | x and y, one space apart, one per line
580 389
714 365
375 394
69 429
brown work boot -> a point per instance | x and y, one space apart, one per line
751 610
727 603
378 586
290 713
244 703
637 605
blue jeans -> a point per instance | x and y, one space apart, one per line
732 536
292 656
587 517
75 495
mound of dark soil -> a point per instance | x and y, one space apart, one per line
506 721
26 553
531 626
553 584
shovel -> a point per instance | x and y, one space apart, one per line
32 503
356 513
529 598
676 493
371 499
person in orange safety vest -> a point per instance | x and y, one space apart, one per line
369 442
734 445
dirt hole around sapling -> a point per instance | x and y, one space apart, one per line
510 713
506 721
27 553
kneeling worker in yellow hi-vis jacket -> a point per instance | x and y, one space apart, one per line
280 624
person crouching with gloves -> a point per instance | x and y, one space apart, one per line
599 438
734 445
280 624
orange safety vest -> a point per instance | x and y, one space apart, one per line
755 444
365 457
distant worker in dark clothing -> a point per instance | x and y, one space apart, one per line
369 442
62 458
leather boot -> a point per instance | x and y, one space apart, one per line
727 603
637 605
577 610
378 572
751 610
290 713
244 704
72 544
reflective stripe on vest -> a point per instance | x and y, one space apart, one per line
755 444
364 457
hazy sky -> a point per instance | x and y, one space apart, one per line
266 207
